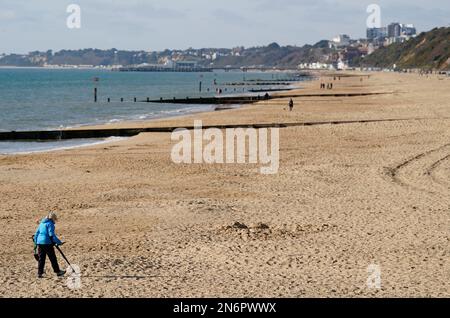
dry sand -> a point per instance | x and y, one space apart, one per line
346 196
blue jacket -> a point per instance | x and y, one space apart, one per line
45 233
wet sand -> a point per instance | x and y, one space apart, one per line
346 196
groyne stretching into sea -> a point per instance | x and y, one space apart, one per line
52 135
55 135
246 99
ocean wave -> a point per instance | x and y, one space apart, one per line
25 148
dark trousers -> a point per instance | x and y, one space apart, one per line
43 252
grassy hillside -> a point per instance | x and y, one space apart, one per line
429 50
271 55
274 55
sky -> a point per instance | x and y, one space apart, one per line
154 25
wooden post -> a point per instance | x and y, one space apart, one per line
96 80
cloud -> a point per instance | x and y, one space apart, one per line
159 24
231 18
131 9
7 14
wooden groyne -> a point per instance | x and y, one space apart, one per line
275 83
56 135
247 99
271 90
48 135
210 100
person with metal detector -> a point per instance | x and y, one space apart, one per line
45 239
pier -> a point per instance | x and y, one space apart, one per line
161 68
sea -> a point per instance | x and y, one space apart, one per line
50 99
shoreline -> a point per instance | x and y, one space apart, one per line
143 114
149 122
126 125
195 109
81 143
346 197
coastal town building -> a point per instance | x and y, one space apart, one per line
393 33
341 40
377 33
347 52
316 66
394 30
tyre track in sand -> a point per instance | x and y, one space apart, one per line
434 167
423 172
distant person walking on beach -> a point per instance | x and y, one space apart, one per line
45 238
291 105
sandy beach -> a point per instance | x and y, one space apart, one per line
346 196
